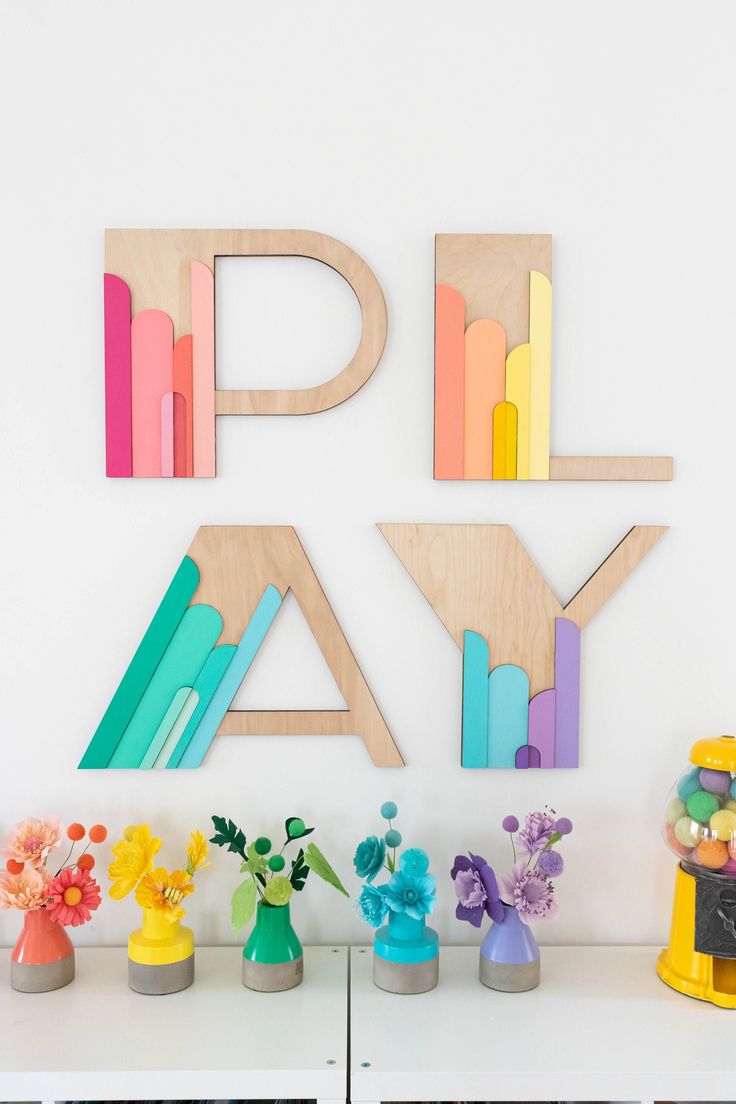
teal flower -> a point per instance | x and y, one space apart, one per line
414 896
372 906
414 862
369 857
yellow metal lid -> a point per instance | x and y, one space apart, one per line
716 752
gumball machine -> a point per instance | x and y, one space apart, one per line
700 828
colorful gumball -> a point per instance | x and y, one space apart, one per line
715 781
674 844
729 867
702 805
688 832
688 784
675 810
733 789
712 853
723 825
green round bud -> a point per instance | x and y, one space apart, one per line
262 845
276 863
393 838
297 828
388 810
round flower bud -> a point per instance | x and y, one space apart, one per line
510 824
551 863
563 826
276 863
98 833
297 827
262 845
76 831
393 838
86 861
14 867
389 810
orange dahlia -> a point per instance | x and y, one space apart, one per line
74 896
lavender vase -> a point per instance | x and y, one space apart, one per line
509 955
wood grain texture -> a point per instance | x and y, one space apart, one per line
491 272
481 578
235 564
623 468
156 265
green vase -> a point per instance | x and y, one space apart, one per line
273 958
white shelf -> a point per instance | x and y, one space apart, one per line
601 1026
97 1040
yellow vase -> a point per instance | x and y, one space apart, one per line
160 955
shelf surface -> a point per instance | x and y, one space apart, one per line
600 1026
97 1040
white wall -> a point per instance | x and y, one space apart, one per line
381 123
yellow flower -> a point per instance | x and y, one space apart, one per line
164 892
196 853
134 855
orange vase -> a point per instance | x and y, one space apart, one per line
43 957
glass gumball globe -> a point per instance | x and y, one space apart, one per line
699 824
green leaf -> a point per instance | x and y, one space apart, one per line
278 891
316 861
254 864
227 834
299 871
243 904
390 863
298 835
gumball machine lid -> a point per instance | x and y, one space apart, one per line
715 753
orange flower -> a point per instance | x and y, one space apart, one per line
31 840
74 897
26 891
164 892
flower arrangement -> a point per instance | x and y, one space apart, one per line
155 889
69 896
410 888
529 887
266 881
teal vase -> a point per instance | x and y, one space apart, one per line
509 955
273 958
406 955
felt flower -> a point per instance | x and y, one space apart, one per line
134 855
413 896
196 853
372 905
414 862
31 840
369 857
476 889
551 863
536 833
26 891
164 892
530 893
74 895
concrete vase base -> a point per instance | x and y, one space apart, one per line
157 981
509 977
405 977
41 977
273 977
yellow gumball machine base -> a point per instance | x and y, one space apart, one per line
703 976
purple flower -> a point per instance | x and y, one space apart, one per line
510 824
551 863
563 826
476 890
537 830
530 893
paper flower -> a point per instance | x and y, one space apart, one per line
31 840
134 855
413 896
551 863
26 891
370 857
196 853
164 892
372 905
536 833
414 862
74 896
476 889
530 893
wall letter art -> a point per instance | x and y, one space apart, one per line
160 393
493 366
176 694
521 648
